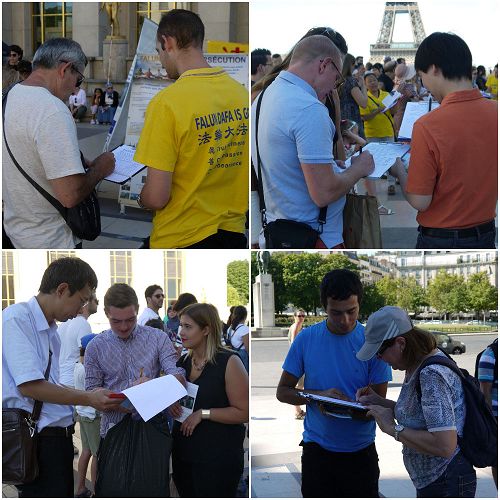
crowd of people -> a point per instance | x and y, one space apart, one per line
342 359
187 181
87 368
330 106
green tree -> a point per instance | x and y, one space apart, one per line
447 293
482 295
387 287
372 301
237 277
402 292
233 298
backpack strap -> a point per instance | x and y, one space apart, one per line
437 360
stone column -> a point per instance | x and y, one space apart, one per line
114 54
263 301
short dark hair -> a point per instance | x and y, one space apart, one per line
183 25
239 314
446 51
120 295
150 290
184 300
378 66
258 57
24 66
156 323
18 50
71 270
340 284
275 56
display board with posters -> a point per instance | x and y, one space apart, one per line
148 78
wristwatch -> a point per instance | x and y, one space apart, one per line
398 428
205 414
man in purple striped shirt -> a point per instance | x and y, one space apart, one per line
128 353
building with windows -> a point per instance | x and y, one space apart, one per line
424 266
174 270
371 269
29 24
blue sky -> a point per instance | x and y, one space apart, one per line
278 24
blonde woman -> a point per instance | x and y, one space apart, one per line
298 322
208 446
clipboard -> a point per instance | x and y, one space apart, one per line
125 166
337 408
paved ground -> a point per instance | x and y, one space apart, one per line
276 434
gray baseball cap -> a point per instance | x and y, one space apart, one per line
384 324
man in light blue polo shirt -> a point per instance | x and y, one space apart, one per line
296 142
29 339
339 458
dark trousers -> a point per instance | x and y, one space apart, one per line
457 481
55 460
216 479
327 474
222 239
485 240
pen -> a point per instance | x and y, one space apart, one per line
430 102
406 153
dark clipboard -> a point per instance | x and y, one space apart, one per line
337 408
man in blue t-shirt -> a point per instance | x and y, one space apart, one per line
339 458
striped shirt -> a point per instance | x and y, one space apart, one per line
486 373
115 363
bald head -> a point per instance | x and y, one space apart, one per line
314 47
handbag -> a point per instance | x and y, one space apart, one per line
361 222
284 233
84 219
20 442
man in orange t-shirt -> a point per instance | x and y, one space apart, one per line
452 177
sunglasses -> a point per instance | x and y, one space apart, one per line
14 54
335 37
301 316
80 78
385 345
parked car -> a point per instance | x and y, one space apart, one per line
448 345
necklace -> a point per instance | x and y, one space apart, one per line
197 366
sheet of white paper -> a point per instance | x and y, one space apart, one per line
341 402
413 111
390 100
384 155
155 395
187 402
125 166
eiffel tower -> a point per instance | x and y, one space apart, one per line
385 46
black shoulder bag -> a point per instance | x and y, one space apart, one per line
20 441
84 219
284 233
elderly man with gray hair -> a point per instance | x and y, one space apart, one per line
41 136
299 174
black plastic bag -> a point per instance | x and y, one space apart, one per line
133 459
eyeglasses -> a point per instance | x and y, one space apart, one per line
159 295
385 345
80 78
83 301
341 80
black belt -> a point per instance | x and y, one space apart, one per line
57 431
468 232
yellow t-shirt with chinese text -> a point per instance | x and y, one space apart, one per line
381 125
492 82
197 128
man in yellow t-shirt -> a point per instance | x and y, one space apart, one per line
492 83
195 144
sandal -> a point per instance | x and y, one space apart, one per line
300 416
382 210
86 493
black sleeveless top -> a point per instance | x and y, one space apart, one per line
209 440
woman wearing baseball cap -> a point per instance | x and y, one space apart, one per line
427 426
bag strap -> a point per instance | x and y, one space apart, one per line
437 360
37 407
385 114
55 203
260 186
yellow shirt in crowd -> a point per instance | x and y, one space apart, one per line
197 128
492 82
381 125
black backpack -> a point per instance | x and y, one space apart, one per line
480 432
494 347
